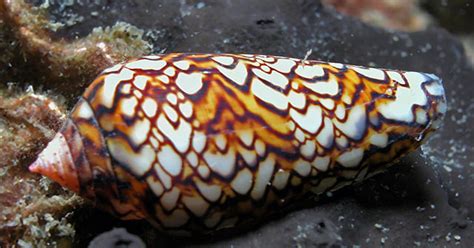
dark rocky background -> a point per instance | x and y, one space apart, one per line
426 200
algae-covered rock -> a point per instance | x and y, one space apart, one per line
33 210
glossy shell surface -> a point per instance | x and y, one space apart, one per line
201 142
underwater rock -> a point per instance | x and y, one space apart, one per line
117 237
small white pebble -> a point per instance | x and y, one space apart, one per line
420 209
448 237
108 239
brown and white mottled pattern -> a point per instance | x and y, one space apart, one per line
200 142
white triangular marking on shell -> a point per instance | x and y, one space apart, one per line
352 158
327 103
138 94
269 95
170 160
223 60
199 141
145 64
324 185
326 136
155 185
264 68
172 98
421 116
152 57
296 99
139 163
379 139
163 78
189 83
342 141
396 76
114 68
182 65
139 131
192 159
221 163
302 167
283 65
196 204
308 148
263 177
149 107
186 109
265 58
337 65
249 156
210 192
309 121
84 110
246 136
126 88
169 199
237 75
242 182
170 112
260 147
164 177
111 82
154 142
309 71
280 179
435 88
221 141
180 137
400 109
355 124
321 163
204 171
275 78
330 87
170 71
371 73
340 111
140 82
299 135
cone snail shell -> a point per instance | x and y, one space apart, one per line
199 142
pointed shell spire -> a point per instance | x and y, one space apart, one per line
56 162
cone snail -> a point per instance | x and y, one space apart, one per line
195 143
